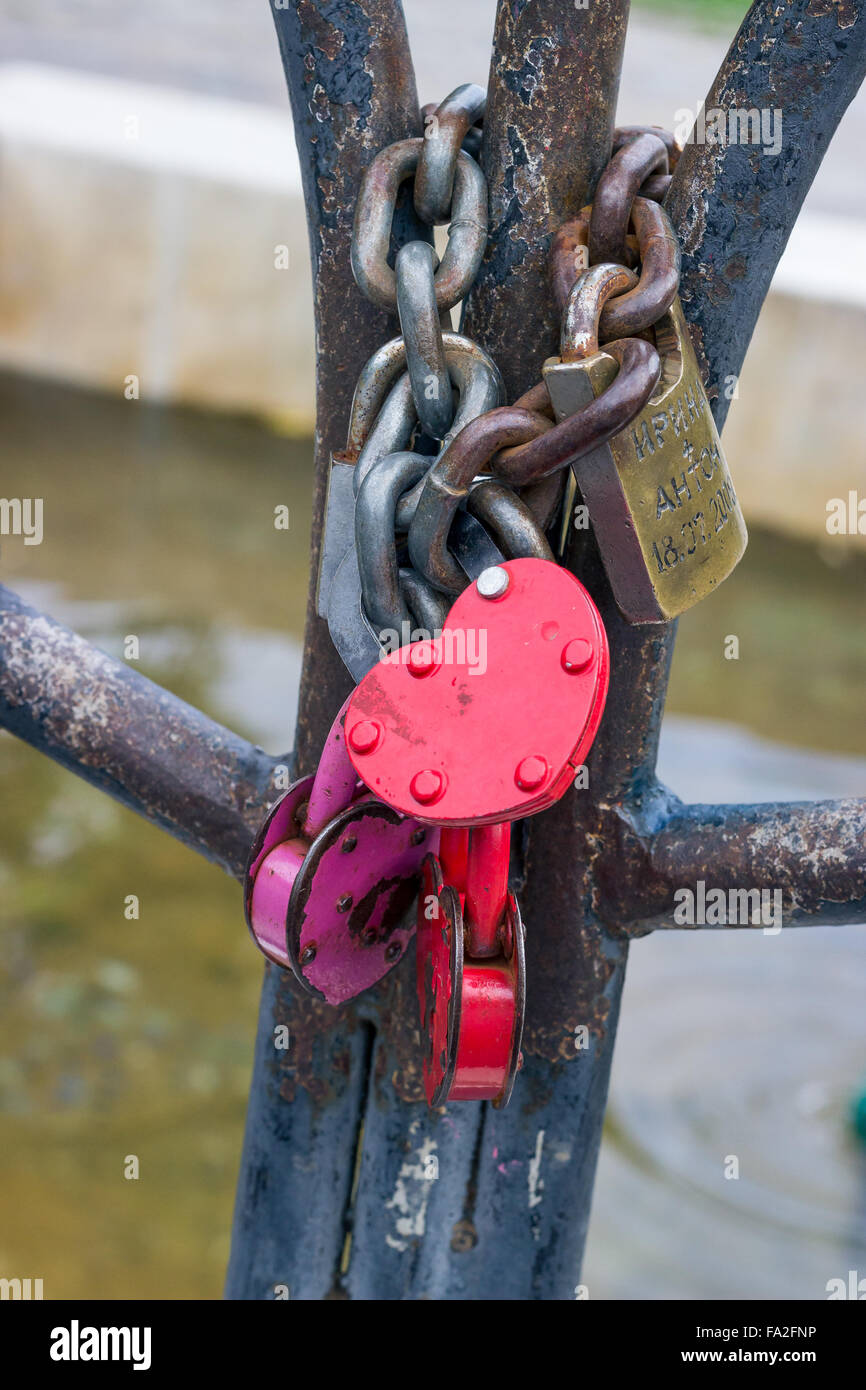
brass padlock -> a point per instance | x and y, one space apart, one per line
659 495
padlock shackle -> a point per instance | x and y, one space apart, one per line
475 863
335 782
486 891
471 1007
453 855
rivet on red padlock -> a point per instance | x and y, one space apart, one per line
331 878
457 741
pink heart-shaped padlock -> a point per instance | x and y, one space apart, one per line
331 880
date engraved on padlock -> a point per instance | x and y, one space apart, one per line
659 494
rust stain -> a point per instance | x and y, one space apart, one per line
400 894
844 10
315 1061
399 1062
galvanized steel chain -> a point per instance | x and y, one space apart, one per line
430 438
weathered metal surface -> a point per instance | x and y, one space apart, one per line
352 88
413 1234
734 206
522 1217
299 1151
551 98
813 854
353 91
103 720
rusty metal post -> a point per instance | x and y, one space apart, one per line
554 81
413 1237
503 1219
734 209
122 733
352 89
551 103
346 1177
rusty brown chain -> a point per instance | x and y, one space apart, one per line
404 397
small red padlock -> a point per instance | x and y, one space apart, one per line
470 968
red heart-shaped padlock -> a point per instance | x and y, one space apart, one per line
489 721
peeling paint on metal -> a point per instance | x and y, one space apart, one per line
534 1178
411 1195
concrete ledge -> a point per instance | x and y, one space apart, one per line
139 236
796 434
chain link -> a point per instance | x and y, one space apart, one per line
445 129
434 388
374 216
422 333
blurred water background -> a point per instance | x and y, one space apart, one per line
120 1037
